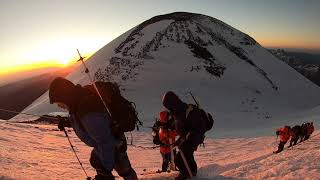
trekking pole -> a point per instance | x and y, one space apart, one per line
185 162
194 99
173 166
93 83
65 132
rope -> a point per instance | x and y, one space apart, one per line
143 147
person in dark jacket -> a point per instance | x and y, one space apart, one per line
304 131
92 124
191 132
295 135
310 129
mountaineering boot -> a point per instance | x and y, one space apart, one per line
182 177
104 176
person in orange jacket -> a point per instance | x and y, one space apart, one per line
284 134
167 136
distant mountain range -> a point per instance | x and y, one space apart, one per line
18 95
305 63
19 76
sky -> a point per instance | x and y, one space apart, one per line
41 33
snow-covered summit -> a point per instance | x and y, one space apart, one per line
230 74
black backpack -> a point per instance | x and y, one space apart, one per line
207 117
123 112
155 132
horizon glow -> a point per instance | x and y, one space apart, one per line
42 33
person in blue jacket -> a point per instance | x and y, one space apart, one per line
92 125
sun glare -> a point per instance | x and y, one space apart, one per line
63 62
62 52
52 53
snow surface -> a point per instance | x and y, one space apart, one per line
43 152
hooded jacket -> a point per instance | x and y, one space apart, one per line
188 127
284 134
92 125
310 129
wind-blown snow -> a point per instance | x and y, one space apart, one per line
42 152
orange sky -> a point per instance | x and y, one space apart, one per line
39 33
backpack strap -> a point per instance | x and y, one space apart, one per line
191 108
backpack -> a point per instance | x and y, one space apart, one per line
123 112
207 117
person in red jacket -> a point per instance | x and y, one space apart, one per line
167 136
284 134
310 129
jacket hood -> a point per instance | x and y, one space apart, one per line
172 102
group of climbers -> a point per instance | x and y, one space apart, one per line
99 116
179 131
187 121
297 132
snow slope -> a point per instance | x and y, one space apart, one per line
42 152
230 74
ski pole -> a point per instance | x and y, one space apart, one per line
194 99
65 132
185 162
93 83
173 166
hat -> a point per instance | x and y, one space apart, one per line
61 90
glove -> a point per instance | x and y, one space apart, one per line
63 122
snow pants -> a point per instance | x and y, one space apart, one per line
280 147
122 166
166 159
307 137
294 141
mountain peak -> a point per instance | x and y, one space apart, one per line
180 27
196 32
